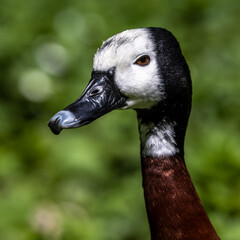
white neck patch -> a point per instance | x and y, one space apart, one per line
141 84
157 140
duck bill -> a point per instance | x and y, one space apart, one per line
100 97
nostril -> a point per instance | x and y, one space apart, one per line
95 91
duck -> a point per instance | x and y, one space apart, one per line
144 69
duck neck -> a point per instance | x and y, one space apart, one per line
174 209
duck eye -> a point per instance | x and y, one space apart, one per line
143 60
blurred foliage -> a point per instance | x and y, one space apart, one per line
86 183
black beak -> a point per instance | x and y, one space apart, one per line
100 97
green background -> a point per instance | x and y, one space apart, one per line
86 183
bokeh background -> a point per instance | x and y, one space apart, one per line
86 183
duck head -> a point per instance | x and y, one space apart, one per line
141 69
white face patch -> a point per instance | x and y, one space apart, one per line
158 140
141 84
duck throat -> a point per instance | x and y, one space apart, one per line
162 131
158 140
